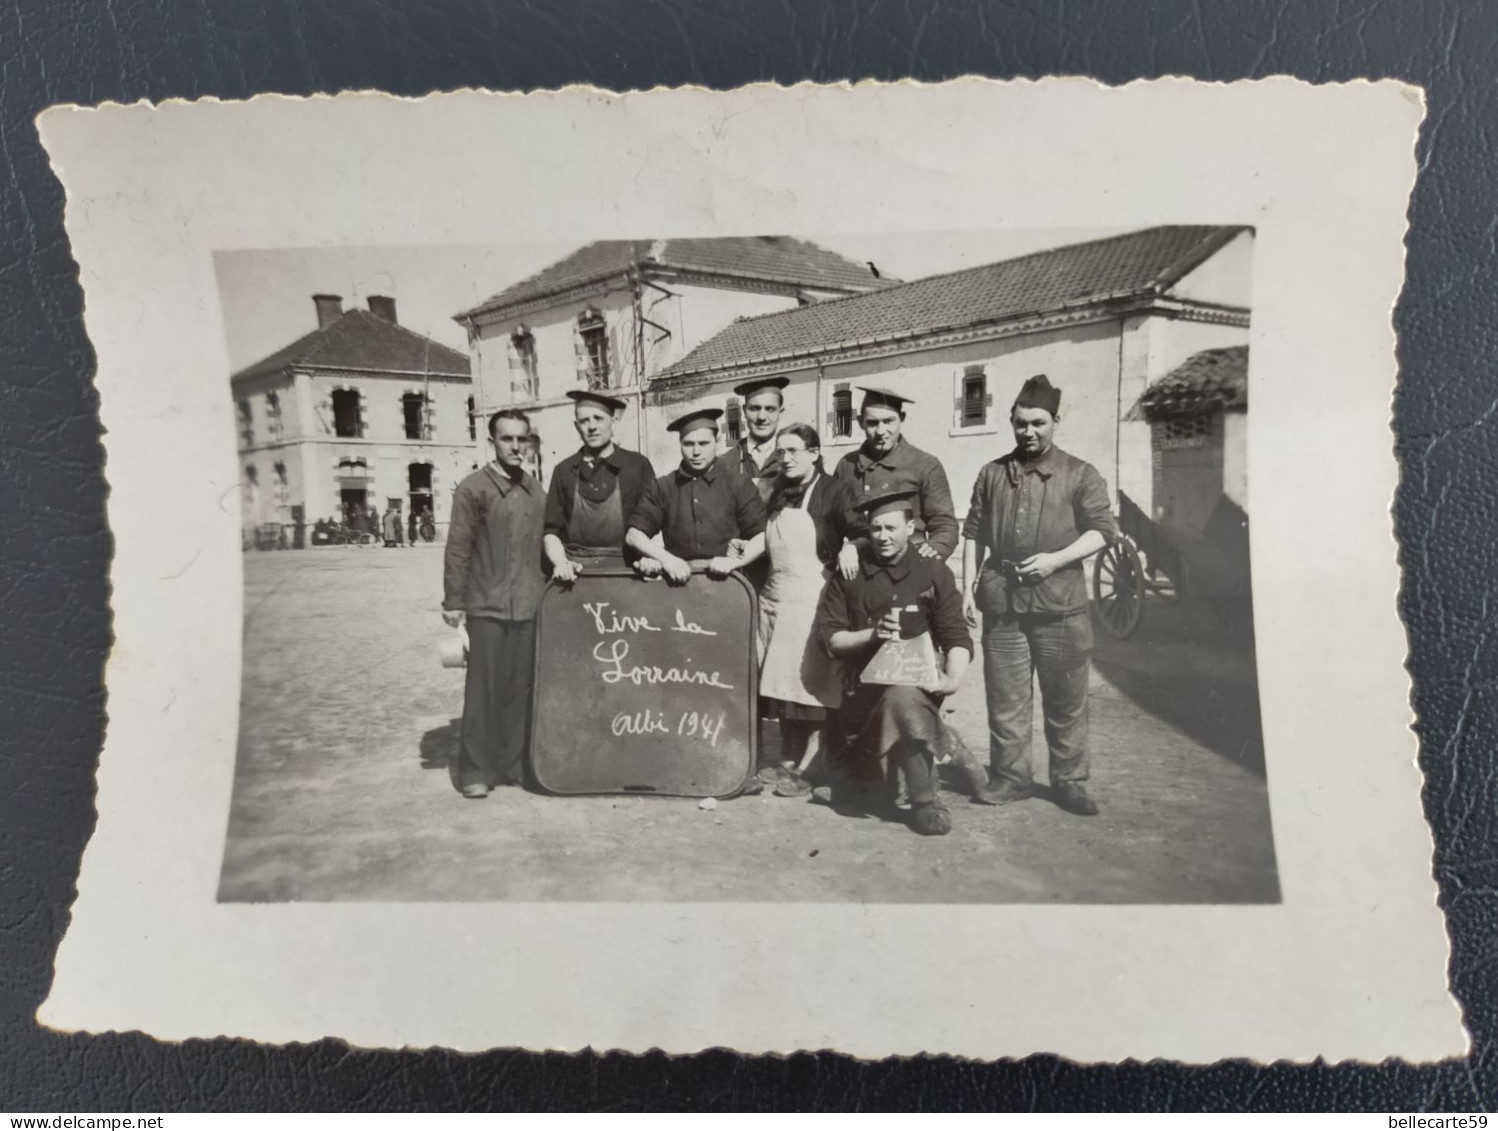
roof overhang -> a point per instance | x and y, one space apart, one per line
1094 309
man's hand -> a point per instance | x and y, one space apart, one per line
721 567
927 550
1038 567
453 618
677 570
737 546
888 627
970 608
647 567
567 572
847 561
947 684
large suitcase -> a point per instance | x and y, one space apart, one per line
645 687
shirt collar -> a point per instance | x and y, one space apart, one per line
502 481
610 460
897 570
1043 465
756 450
708 473
889 459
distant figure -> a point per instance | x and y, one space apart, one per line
394 535
412 525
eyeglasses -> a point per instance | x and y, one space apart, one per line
786 453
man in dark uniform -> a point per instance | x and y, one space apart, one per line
699 508
888 462
1036 515
756 454
492 582
593 491
896 595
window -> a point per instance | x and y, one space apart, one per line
593 356
974 398
1187 431
733 422
525 381
347 414
273 415
282 487
416 411
842 412
246 425
252 477
473 426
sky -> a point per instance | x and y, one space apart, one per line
266 296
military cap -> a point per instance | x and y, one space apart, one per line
884 398
1038 392
759 384
697 418
887 500
592 396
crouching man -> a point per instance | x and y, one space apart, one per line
896 594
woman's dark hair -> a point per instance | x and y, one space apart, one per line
808 436
784 490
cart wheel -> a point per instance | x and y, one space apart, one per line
1118 588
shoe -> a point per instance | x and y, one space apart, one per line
931 819
752 788
1002 792
1072 796
772 774
792 785
475 791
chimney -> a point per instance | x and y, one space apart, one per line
329 309
382 305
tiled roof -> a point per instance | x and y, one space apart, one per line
363 341
1136 263
1211 379
779 259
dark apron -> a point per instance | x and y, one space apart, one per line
596 530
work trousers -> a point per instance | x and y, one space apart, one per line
1018 648
890 729
496 702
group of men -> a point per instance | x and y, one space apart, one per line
1036 514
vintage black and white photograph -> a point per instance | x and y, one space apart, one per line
878 569
890 568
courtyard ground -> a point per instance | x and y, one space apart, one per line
348 723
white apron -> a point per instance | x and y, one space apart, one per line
793 666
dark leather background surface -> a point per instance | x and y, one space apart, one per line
55 547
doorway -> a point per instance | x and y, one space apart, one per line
419 487
354 501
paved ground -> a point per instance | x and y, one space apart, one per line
348 723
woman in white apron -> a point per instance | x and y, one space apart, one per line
809 534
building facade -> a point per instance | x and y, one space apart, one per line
360 412
616 313
1105 320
